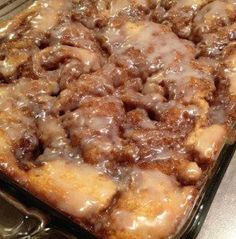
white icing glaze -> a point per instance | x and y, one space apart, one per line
12 61
89 59
207 141
186 76
190 171
8 28
154 40
193 4
79 190
49 13
217 11
155 204
230 71
113 8
151 208
14 106
118 5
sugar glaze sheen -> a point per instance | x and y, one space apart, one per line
113 112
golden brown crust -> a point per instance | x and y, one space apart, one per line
114 111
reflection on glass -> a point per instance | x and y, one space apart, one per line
15 221
52 234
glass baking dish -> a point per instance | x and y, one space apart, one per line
28 217
45 220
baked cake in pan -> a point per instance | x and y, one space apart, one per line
114 112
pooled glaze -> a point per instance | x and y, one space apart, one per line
204 141
230 70
139 214
82 192
48 14
143 36
212 15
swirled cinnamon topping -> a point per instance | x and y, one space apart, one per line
114 112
